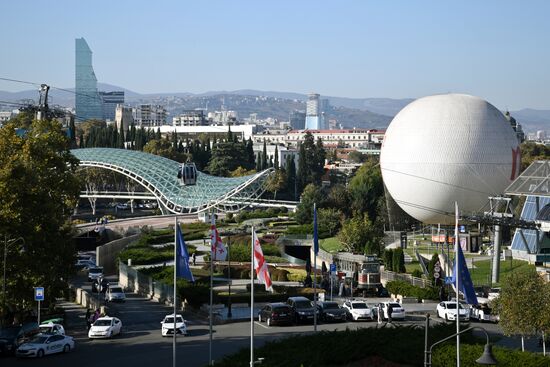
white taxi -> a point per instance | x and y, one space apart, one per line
44 344
168 325
358 310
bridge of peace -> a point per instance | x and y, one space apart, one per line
159 176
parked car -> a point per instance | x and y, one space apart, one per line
51 328
276 314
447 310
95 273
398 312
302 309
44 344
84 264
115 294
358 310
12 337
493 293
331 311
105 327
483 313
168 325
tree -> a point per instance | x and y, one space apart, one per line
227 157
38 192
388 259
250 151
366 188
291 177
264 156
357 157
165 149
359 234
398 261
304 211
338 198
240 171
311 163
276 161
329 221
522 298
276 182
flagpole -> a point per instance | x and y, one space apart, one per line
212 253
457 272
315 268
174 301
252 299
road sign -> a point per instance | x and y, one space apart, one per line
437 269
38 293
333 268
436 275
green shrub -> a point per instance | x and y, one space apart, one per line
388 259
417 273
445 355
408 290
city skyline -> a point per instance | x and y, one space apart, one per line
354 49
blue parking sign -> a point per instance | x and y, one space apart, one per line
38 293
333 268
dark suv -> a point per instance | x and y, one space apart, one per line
13 336
302 309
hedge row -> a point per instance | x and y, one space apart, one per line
408 290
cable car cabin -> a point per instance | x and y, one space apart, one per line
188 174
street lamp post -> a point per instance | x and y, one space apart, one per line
486 358
7 244
229 314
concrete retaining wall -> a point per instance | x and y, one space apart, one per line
134 281
106 255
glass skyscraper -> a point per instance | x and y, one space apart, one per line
88 102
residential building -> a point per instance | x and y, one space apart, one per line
149 115
190 118
313 113
5 116
88 103
284 153
123 116
297 120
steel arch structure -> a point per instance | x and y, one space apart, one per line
159 176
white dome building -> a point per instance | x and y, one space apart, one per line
446 148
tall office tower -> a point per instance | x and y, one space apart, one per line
297 120
88 102
313 113
109 101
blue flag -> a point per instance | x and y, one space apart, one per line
182 257
465 284
315 234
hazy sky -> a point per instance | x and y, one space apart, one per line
498 50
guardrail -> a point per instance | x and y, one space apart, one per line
388 276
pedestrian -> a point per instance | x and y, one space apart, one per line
380 313
88 319
96 315
194 259
390 311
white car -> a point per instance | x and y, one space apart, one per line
115 294
52 329
447 310
483 313
105 327
94 273
43 344
398 312
168 325
493 293
358 310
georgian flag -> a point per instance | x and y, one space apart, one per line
219 252
259 263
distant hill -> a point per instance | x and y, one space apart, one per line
350 112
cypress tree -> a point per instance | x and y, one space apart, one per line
291 177
276 161
258 163
250 151
264 156
121 139
159 135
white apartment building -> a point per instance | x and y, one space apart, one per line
189 118
283 152
149 115
222 117
349 138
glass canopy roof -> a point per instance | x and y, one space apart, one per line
535 180
159 176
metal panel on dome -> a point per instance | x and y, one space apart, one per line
159 176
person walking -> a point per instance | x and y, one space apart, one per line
88 319
379 312
390 311
194 259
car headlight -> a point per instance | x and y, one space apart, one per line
301 313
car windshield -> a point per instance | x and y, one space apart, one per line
331 305
370 268
359 305
96 271
170 320
395 305
9 332
453 306
102 323
39 339
46 329
116 290
303 304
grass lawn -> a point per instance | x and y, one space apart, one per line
481 274
331 244
413 266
